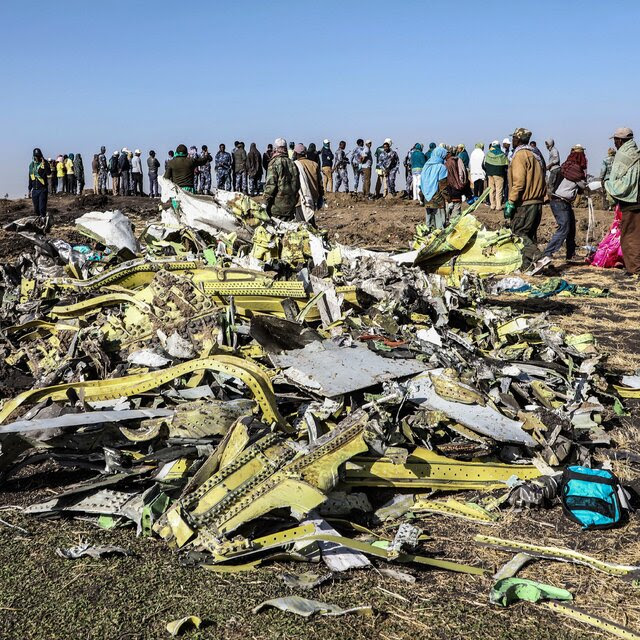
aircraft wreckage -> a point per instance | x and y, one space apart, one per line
244 388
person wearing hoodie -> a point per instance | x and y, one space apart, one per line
71 177
312 153
124 167
434 186
283 183
326 165
569 181
181 170
416 162
114 171
153 164
554 156
136 174
254 169
240 168
495 166
39 170
476 170
527 193
78 169
623 186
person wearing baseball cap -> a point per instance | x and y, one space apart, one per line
326 163
622 185
527 193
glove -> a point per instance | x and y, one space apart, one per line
509 210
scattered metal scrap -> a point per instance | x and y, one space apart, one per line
231 380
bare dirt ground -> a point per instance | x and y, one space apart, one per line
45 596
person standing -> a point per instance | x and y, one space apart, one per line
340 164
605 171
495 166
52 178
366 164
326 162
389 162
311 195
463 155
433 183
569 181
623 185
78 170
39 170
240 168
71 176
526 193
136 173
205 174
114 170
254 169
554 156
223 166
291 148
408 177
432 146
153 164
103 171
181 170
266 157
283 183
355 163
61 174
312 153
416 162
95 172
124 167
169 159
457 184
476 171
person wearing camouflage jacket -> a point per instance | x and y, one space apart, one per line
283 183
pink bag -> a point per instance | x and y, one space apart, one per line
609 252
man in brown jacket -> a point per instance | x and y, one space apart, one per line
526 193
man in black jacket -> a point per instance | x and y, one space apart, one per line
39 170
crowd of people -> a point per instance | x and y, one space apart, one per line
439 177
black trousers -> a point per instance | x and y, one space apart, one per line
478 188
137 184
39 198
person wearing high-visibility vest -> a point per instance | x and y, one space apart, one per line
39 170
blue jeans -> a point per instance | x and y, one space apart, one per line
566 229
39 198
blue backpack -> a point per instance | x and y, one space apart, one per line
591 498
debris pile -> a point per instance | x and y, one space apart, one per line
248 391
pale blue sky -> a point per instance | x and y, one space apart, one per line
78 74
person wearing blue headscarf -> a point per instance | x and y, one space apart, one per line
417 160
432 146
433 183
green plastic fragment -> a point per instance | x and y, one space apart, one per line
152 511
108 522
509 590
210 256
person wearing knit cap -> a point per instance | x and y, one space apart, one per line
283 183
181 170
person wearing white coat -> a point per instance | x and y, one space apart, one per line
476 172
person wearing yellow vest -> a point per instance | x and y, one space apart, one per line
39 170
71 176
61 173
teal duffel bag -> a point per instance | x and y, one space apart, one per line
591 497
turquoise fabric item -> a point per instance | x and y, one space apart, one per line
432 172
